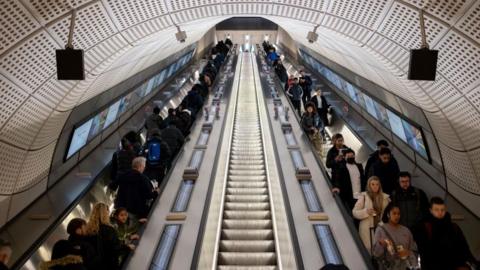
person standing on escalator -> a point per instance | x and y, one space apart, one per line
157 154
306 84
321 104
135 190
295 93
121 162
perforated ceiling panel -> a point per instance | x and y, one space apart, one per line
121 37
15 23
469 24
93 17
31 62
402 26
48 10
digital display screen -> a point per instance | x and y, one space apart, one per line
382 114
91 128
112 114
161 77
396 125
414 138
79 138
177 66
352 91
370 106
97 124
149 86
124 103
170 70
141 89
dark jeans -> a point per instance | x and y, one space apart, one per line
296 105
306 97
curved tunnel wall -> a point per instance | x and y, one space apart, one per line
371 38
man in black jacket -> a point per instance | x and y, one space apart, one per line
173 137
121 161
77 238
335 154
441 242
281 71
306 84
386 169
135 190
412 201
374 157
349 179
295 93
154 120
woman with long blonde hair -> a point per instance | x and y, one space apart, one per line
369 210
104 237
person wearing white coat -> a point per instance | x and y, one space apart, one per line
369 210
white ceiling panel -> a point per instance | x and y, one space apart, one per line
23 126
469 24
35 167
15 24
11 98
92 25
31 62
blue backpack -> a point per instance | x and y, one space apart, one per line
153 155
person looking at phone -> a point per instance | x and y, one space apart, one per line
335 156
393 245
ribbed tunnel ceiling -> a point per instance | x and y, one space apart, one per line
122 37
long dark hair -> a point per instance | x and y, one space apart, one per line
310 104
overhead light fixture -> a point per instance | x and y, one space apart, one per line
266 37
423 61
247 37
180 35
70 64
312 36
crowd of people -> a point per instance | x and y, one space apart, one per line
313 109
105 239
396 221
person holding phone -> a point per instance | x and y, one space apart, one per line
393 246
335 154
369 210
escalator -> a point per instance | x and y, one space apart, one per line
247 239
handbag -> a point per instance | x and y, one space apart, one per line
383 260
